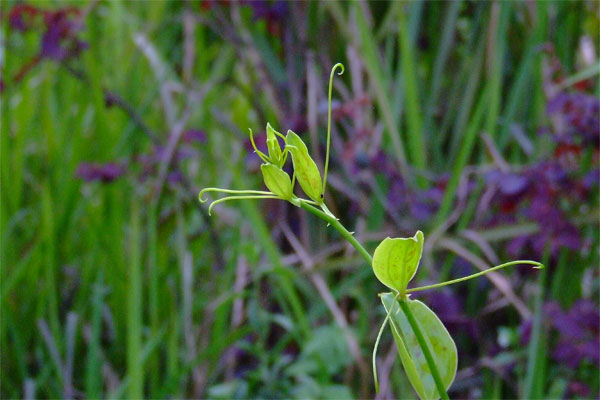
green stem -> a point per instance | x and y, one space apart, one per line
411 319
331 220
421 339
508 264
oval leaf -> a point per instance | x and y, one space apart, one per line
439 341
277 180
395 261
305 168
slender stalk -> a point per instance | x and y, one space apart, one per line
464 278
411 319
383 325
340 228
421 339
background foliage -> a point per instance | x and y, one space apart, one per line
476 122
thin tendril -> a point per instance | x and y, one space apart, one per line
224 199
535 264
219 190
383 325
279 134
336 66
262 155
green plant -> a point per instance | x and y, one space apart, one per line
426 349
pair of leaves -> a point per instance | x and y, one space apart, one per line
437 338
395 263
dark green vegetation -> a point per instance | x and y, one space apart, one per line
474 122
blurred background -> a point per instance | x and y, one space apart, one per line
476 122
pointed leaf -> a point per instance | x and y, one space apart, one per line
395 261
305 168
277 180
438 340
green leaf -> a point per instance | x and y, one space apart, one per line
438 340
395 261
275 153
277 180
305 168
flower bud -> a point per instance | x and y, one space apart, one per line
275 153
305 168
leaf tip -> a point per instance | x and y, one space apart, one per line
419 237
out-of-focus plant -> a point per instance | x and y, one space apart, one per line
427 351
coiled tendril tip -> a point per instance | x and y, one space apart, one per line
340 66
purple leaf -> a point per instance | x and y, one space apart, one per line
104 173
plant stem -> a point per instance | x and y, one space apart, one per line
331 220
464 278
421 339
411 319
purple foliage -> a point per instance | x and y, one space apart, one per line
543 193
194 136
578 332
419 204
105 173
577 114
61 26
268 10
151 161
591 180
59 41
448 306
21 16
509 183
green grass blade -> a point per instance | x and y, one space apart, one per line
417 145
135 370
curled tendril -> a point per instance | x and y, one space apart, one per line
341 67
229 191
